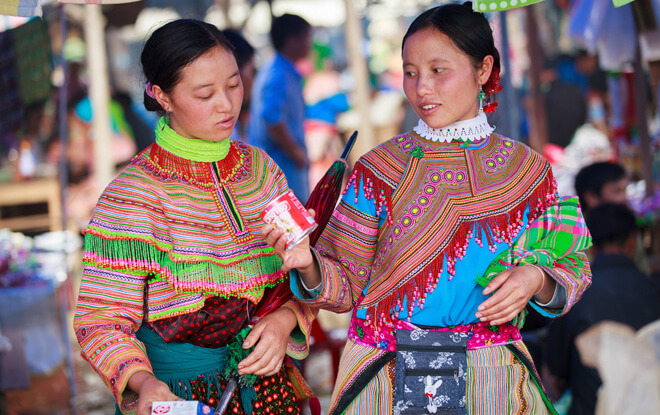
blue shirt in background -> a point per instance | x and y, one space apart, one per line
277 97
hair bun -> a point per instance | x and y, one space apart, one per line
468 4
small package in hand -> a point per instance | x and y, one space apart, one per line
288 214
180 408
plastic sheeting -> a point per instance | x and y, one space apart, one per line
32 309
604 29
629 365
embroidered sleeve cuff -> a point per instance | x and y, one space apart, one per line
126 399
558 300
298 287
557 304
298 345
313 292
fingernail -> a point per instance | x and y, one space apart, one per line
481 308
478 315
482 319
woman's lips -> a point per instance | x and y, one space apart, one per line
428 109
226 123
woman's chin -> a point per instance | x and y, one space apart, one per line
435 123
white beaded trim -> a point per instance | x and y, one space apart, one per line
474 129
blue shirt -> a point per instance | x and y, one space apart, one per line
329 108
277 97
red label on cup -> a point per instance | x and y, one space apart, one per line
287 213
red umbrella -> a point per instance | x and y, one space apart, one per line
326 192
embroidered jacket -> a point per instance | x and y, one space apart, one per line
167 234
422 224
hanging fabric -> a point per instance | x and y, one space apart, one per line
11 107
22 8
33 61
484 6
618 3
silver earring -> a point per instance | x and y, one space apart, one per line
167 120
481 96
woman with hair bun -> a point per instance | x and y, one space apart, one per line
175 264
444 236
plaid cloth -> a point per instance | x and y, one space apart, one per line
556 242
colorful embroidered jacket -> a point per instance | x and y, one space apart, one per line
167 234
422 224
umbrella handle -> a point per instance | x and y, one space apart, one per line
349 146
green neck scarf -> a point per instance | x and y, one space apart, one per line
188 148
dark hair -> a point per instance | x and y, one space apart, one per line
593 177
610 223
242 49
469 30
285 26
171 48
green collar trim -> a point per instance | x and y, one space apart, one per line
188 148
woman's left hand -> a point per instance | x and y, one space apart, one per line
515 287
271 335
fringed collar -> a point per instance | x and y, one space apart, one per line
474 129
200 173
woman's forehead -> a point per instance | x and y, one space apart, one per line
430 45
217 63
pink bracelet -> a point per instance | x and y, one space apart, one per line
542 278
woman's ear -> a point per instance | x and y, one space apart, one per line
486 69
162 98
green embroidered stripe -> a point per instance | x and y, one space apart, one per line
117 245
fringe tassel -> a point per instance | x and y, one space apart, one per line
519 320
169 166
375 189
248 395
496 229
248 273
233 353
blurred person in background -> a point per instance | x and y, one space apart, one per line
277 107
142 133
599 183
619 292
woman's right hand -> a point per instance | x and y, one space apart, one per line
149 390
299 257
